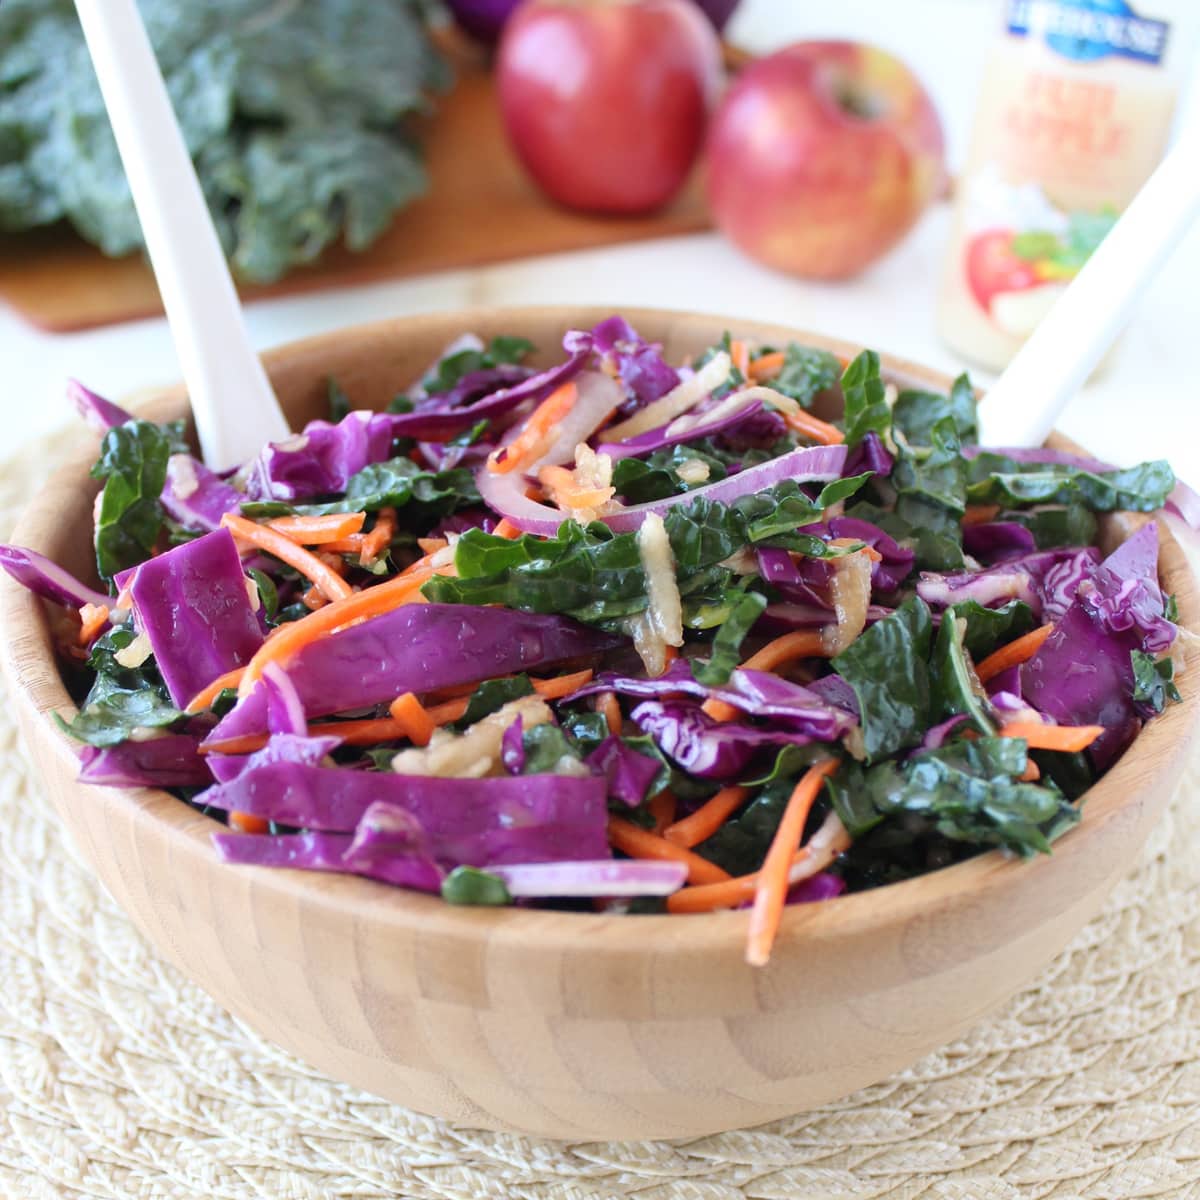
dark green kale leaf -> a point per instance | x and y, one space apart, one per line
964 795
121 699
916 413
500 350
133 464
491 695
1153 683
866 408
725 646
741 844
736 378
931 496
470 885
887 666
1057 525
807 371
655 477
995 479
988 629
954 688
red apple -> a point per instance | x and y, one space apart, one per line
992 266
606 102
822 156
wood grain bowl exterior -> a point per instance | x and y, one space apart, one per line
569 1025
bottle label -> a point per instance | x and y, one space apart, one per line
1086 30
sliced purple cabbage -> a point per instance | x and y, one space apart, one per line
1082 674
785 617
629 774
994 542
417 648
390 844
637 363
280 748
896 562
460 522
48 580
937 737
756 693
834 690
822 886
870 455
1046 581
192 603
98 414
804 582
512 747
285 710
443 417
172 760
324 852
701 746
472 822
1185 504
672 434
320 460
195 496
605 877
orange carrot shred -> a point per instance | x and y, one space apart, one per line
803 643
506 529
979 514
380 537
243 822
93 618
533 439
767 366
770 892
707 819
740 355
316 531
706 897
631 839
813 427
304 561
608 704
203 699
1016 652
409 713
562 685
1068 738
662 808
432 545
1031 773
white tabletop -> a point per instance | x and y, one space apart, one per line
1143 406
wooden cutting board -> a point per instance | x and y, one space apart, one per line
480 208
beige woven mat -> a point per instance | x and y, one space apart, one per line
118 1078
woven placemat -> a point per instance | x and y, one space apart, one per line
120 1079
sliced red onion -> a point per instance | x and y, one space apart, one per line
168 761
1185 504
605 877
688 428
37 573
506 493
598 397
285 709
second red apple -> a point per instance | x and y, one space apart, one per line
822 156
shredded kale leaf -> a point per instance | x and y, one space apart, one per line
916 414
806 372
500 350
293 115
1153 683
866 408
995 479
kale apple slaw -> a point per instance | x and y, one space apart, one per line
618 634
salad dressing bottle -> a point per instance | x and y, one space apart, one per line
1074 114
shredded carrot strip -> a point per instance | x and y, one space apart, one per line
662 808
740 356
1069 738
432 545
608 704
304 561
380 537
248 822
533 439
506 529
767 366
707 819
706 897
770 892
314 598
562 685
813 427
371 602
409 713
316 531
203 699
804 643
980 514
1016 652
566 493
631 839
1031 773
93 618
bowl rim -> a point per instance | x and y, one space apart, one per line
33 669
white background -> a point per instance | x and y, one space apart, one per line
1143 406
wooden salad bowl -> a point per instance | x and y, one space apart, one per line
564 1024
